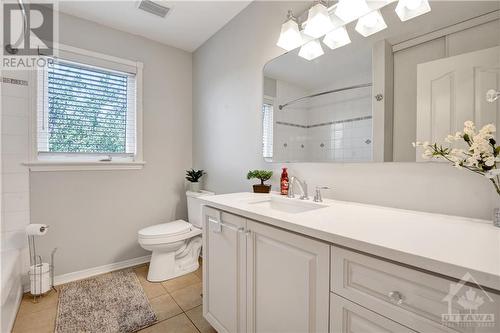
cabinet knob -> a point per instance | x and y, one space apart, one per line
396 297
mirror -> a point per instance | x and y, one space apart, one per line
369 100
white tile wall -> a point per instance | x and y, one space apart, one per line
15 151
345 141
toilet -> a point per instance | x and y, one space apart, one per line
175 245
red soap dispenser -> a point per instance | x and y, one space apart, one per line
284 182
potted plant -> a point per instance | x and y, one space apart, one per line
262 175
193 177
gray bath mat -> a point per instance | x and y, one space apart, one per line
113 302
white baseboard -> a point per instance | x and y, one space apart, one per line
9 310
86 273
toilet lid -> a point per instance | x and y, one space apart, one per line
165 229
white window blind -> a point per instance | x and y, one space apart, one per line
86 111
267 132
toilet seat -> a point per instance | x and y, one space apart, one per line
169 232
168 229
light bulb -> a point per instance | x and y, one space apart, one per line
413 4
318 21
408 9
370 23
369 20
349 10
337 38
290 36
311 50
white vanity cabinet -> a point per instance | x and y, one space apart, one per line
224 267
287 281
258 278
265 279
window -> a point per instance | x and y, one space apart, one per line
267 132
87 111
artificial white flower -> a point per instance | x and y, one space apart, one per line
479 155
488 129
469 124
490 161
427 154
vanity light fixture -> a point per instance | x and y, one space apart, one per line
290 36
318 21
349 10
408 9
370 23
311 50
337 38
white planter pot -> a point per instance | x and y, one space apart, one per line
194 187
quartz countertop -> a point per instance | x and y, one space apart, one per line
443 244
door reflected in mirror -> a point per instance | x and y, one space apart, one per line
369 100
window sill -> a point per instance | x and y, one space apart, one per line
37 166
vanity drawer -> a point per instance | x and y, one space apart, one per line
348 317
411 297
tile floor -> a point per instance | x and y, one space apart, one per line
177 304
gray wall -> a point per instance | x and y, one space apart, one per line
95 215
227 91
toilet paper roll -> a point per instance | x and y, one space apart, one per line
37 229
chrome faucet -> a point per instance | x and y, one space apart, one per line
317 196
302 185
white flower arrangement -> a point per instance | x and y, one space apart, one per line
481 155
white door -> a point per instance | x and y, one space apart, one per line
287 283
224 265
348 317
453 90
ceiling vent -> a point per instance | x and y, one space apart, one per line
153 8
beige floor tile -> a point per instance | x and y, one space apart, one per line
188 297
196 316
43 303
199 272
177 324
181 282
37 322
152 289
165 307
141 272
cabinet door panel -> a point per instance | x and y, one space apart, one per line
288 283
348 317
224 266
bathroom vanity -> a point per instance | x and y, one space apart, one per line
273 264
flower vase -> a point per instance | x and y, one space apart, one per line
194 186
496 217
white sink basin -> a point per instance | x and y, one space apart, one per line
286 205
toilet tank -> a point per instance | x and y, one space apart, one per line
194 206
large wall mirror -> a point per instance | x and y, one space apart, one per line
369 100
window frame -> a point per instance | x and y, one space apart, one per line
269 100
90 161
